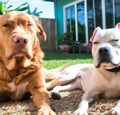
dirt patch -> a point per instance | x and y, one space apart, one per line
65 106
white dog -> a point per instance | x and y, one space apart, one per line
102 77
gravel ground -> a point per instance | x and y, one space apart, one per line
65 106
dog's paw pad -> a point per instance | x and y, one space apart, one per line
55 95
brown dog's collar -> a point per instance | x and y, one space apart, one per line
116 69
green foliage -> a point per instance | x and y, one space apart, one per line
5 7
65 38
23 7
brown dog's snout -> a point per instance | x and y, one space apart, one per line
20 39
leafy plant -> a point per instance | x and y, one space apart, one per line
5 7
23 7
66 37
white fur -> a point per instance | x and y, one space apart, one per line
12 86
92 80
18 89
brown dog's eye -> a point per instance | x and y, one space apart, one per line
29 24
6 25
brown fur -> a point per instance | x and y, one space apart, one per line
21 61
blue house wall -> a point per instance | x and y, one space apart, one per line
59 14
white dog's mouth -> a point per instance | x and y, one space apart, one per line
103 56
109 66
106 59
115 69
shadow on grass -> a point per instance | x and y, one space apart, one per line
59 56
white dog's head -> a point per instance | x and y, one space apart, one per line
106 47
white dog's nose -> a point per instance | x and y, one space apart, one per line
103 50
104 54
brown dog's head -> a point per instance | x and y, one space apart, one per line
106 47
19 35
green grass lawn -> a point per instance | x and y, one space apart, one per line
54 60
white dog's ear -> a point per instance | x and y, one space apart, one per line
118 25
94 33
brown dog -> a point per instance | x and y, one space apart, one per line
21 60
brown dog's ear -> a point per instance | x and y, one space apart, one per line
118 26
40 28
94 33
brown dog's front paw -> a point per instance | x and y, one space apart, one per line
45 111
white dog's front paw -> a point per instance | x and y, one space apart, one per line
80 112
115 110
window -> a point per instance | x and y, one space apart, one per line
75 18
81 21
109 13
83 16
98 13
117 11
90 15
70 19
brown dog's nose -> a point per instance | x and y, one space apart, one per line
20 39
